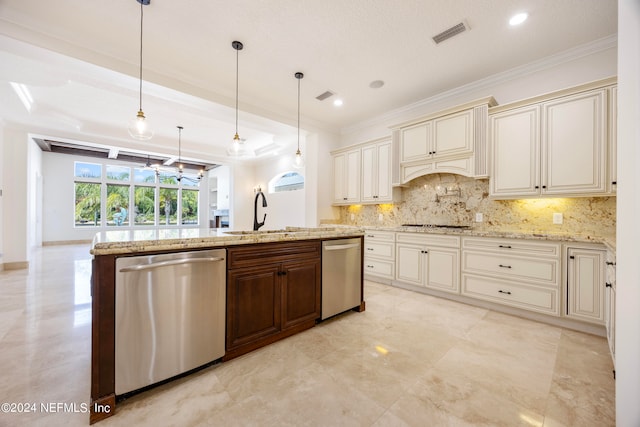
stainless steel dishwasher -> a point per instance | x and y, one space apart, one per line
170 315
341 276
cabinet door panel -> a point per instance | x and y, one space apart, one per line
443 266
453 134
352 183
415 142
253 301
409 264
383 173
515 154
339 177
573 145
300 292
369 174
585 284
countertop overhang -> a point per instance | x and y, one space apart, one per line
123 242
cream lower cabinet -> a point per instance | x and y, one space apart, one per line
610 302
432 261
586 284
379 253
520 273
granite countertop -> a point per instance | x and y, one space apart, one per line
608 241
119 242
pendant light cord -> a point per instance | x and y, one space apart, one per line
141 21
237 66
298 114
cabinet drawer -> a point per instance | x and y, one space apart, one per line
246 255
539 299
429 239
379 249
512 246
378 268
545 271
387 236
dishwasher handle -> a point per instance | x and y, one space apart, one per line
341 247
141 267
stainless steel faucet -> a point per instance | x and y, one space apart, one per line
256 224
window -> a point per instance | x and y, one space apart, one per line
107 192
87 202
288 181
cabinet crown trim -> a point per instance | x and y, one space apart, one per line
360 145
489 100
596 84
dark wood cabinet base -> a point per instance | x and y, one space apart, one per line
102 408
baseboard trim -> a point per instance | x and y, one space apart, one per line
15 265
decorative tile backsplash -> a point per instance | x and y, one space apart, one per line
455 199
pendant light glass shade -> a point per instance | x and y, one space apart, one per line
237 148
139 127
298 161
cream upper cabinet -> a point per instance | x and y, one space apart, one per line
450 141
376 173
415 142
613 138
362 174
574 151
586 284
453 134
555 147
515 137
346 177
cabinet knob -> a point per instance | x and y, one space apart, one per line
572 257
614 182
544 186
536 187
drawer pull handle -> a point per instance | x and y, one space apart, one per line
369 266
369 249
370 235
610 263
608 285
505 292
504 246
504 266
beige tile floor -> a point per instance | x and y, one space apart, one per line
408 360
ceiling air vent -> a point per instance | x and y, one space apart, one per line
324 95
450 32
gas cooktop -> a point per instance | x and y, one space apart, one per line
436 226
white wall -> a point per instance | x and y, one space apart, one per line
15 215
285 208
241 196
59 194
34 194
628 210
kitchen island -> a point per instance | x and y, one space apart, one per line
273 288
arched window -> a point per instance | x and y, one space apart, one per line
287 181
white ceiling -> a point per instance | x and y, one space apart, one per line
80 59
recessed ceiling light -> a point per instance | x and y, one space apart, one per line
337 102
376 84
518 19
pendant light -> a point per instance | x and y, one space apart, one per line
238 147
298 162
139 127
